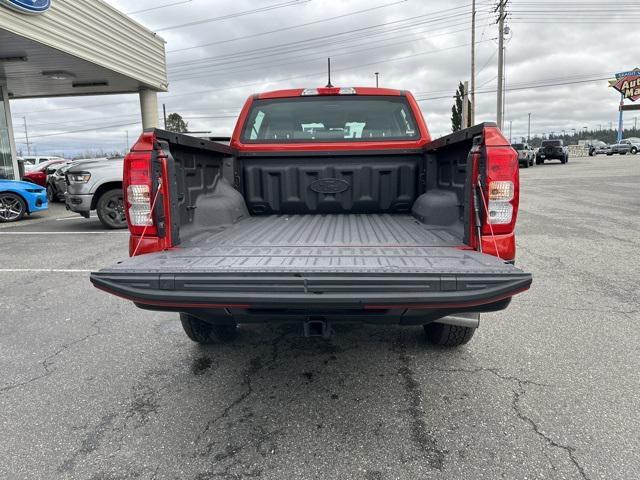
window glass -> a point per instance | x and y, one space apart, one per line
329 119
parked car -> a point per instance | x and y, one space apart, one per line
552 150
57 183
18 199
598 147
326 224
634 144
621 148
526 155
97 185
39 174
30 163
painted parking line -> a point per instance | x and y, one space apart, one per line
45 270
99 232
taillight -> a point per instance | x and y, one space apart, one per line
328 91
501 186
138 190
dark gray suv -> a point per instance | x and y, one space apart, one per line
552 150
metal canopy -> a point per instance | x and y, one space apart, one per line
78 48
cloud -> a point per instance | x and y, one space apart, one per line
426 51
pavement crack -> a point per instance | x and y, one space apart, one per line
255 365
420 434
49 362
517 395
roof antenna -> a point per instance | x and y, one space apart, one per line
329 72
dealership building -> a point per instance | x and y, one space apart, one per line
57 48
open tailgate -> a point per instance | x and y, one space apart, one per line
351 278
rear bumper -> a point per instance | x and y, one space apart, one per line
318 292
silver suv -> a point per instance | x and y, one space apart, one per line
97 185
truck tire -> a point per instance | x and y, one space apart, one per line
206 333
448 335
634 150
110 209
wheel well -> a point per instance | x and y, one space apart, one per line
101 189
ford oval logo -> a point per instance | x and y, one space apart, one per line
329 185
27 6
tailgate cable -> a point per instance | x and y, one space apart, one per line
153 207
486 209
476 209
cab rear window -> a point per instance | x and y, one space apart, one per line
329 119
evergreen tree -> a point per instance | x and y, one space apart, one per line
456 110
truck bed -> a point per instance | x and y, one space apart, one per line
294 243
339 260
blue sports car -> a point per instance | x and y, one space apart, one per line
18 199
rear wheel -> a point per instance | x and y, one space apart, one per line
51 195
634 150
207 333
12 207
110 209
448 335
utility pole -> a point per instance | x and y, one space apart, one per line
376 74
26 136
510 126
466 119
472 110
500 103
635 123
164 115
126 146
529 130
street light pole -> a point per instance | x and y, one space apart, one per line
529 129
376 74
26 136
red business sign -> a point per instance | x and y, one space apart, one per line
628 84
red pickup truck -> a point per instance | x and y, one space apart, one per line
326 205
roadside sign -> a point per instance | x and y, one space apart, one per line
628 84
27 6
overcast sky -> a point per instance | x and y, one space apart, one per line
417 45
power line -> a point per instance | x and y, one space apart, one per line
266 8
284 29
522 88
257 66
158 7
297 43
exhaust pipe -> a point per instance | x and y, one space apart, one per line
470 320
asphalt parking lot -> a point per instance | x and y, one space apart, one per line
93 388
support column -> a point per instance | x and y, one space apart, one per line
149 108
5 110
620 124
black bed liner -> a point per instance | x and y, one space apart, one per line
350 261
